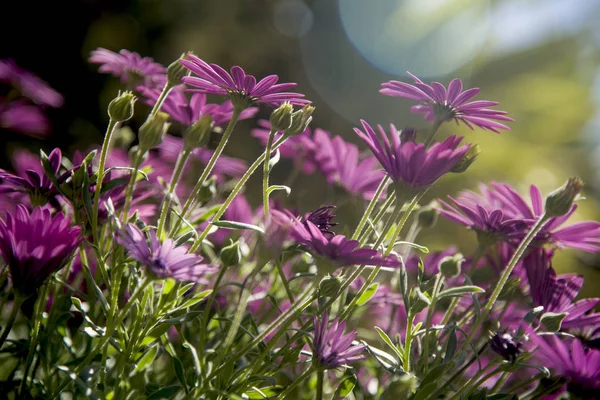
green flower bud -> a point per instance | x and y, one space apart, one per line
281 118
198 134
120 108
300 121
467 159
133 154
561 200
176 71
428 215
153 131
420 301
450 265
231 254
208 190
329 286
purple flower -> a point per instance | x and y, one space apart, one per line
342 164
499 208
212 79
163 260
187 111
321 218
410 163
29 85
556 293
332 348
300 148
571 360
337 249
22 117
506 345
31 179
130 67
36 245
440 104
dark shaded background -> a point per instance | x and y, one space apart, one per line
539 58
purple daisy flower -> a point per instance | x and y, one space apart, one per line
240 87
130 67
337 248
508 211
506 345
571 360
187 111
32 179
35 245
163 260
410 163
29 85
300 148
342 165
332 348
321 218
19 116
440 104
556 293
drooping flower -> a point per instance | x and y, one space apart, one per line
341 164
130 67
440 104
163 260
408 162
35 245
337 248
569 359
238 86
507 212
332 348
29 85
31 178
189 110
300 148
557 293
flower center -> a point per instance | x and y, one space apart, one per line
444 112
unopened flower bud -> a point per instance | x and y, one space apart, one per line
329 286
176 71
450 265
231 254
507 346
121 107
300 121
561 200
133 155
198 134
419 302
408 135
468 159
153 131
281 118
428 215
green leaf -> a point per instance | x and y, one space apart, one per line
368 294
179 371
422 249
237 225
553 321
425 390
532 314
273 188
346 386
460 291
450 346
208 213
274 160
435 374
264 393
182 318
168 285
165 393
85 389
196 299
147 359
391 344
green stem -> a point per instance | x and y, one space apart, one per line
191 201
112 126
137 161
471 381
504 277
384 207
292 386
319 394
370 208
238 187
436 289
434 128
11 319
161 99
514 389
284 281
179 165
408 342
266 171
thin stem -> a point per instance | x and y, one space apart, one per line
505 275
370 207
137 161
161 99
266 171
408 342
513 389
384 207
475 377
436 289
179 165
238 187
319 394
295 383
11 319
434 128
112 126
191 201
284 281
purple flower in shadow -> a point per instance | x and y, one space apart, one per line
332 348
130 67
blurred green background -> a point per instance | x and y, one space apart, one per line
539 58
